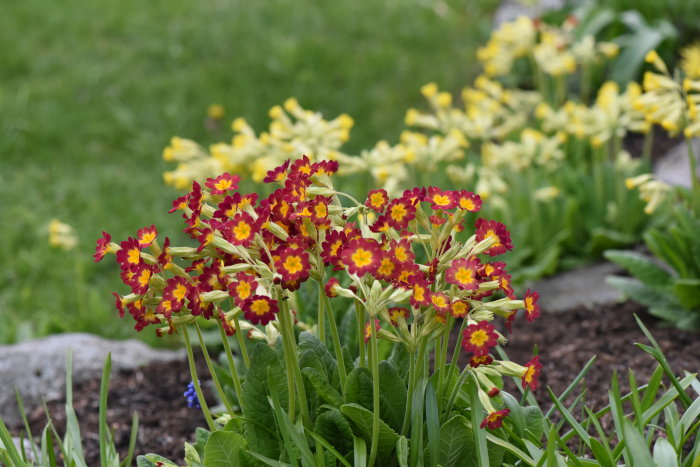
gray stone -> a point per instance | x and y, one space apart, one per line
38 367
582 286
674 167
510 10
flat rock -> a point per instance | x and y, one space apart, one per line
584 286
674 167
38 367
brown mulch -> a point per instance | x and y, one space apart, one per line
566 341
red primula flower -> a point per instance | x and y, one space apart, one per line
496 268
242 288
407 274
242 229
361 256
421 293
396 313
478 360
439 301
130 253
223 183
103 246
146 235
532 372
318 207
494 420
463 273
301 167
532 309
414 195
259 309
141 276
437 220
278 174
377 200
293 264
496 230
467 201
386 268
381 224
330 287
440 199
179 204
459 309
324 168
228 329
175 292
231 204
493 392
368 329
401 251
399 213
479 338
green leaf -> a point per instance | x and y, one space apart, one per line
641 267
402 451
192 457
636 447
664 453
688 293
534 420
604 239
432 421
601 454
401 360
309 343
225 449
482 454
260 425
151 460
360 450
392 395
321 386
334 428
517 416
663 248
456 443
9 446
361 420
358 388
641 293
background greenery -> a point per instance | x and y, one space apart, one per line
91 92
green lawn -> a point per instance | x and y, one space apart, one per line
90 93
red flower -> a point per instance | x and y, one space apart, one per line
463 273
494 420
333 247
242 229
175 292
459 309
381 224
362 256
506 285
231 204
407 274
479 338
437 220
179 204
440 199
387 267
496 268
396 313
146 235
532 372
259 309
467 201
414 195
532 309
301 167
439 301
368 329
278 174
478 360
318 208
421 293
141 276
293 264
399 213
496 230
401 251
330 287
228 329
377 200
242 288
223 183
493 392
103 246
324 168
130 253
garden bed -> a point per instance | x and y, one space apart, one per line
565 340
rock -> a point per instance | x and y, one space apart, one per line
581 286
674 167
38 367
510 10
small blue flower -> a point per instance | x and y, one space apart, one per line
191 396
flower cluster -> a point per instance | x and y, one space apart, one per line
401 258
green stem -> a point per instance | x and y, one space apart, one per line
231 364
195 380
241 343
321 321
647 147
374 363
693 177
291 354
455 391
409 397
360 313
212 372
442 361
326 304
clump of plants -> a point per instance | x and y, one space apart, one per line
414 267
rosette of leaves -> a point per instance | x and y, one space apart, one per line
669 282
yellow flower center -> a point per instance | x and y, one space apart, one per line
377 199
464 276
243 290
134 256
479 337
401 255
260 307
467 204
293 264
223 185
441 200
398 212
321 210
362 257
180 292
242 231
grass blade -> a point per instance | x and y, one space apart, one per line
432 418
132 439
103 429
581 374
23 416
482 453
10 448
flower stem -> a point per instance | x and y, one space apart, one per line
374 363
231 364
693 177
241 343
409 396
195 380
289 341
326 304
321 322
212 372
360 314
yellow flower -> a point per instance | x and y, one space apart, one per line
690 60
215 111
62 235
